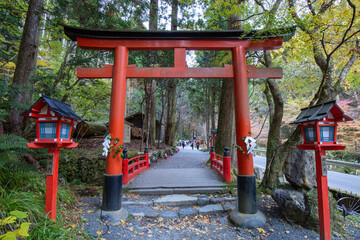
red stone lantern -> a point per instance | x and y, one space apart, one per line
54 123
319 128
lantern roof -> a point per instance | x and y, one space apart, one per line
61 108
74 32
320 111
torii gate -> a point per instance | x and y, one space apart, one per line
121 42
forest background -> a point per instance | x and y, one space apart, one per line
320 63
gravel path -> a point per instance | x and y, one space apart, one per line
198 227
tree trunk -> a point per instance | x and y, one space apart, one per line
171 88
226 108
153 24
213 107
26 63
225 120
171 113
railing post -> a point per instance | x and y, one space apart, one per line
227 165
146 153
212 155
125 167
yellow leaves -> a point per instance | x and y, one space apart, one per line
24 229
8 220
73 226
9 236
43 63
99 232
261 230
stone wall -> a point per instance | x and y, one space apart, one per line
89 167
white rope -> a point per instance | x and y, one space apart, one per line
250 145
106 145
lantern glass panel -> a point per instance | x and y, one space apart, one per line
327 134
310 134
47 130
65 130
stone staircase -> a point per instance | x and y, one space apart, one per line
180 206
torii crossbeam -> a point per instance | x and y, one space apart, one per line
238 42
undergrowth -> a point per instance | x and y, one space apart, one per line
23 189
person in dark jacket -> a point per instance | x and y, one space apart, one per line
197 145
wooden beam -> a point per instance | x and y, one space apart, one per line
180 72
188 44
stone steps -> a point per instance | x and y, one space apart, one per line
180 206
189 190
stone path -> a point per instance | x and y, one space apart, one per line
184 172
179 206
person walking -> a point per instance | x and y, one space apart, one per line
197 145
183 144
192 145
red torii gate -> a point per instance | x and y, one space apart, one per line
121 42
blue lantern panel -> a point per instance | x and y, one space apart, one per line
47 130
310 134
65 129
327 134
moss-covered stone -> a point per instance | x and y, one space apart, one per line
302 208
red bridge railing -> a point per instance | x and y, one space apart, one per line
221 164
134 166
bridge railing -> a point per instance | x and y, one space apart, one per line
134 166
221 164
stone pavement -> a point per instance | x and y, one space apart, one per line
179 206
184 172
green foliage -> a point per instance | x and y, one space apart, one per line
346 155
23 194
11 148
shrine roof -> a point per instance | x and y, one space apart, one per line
61 108
320 111
74 32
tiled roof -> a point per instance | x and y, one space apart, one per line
61 108
318 112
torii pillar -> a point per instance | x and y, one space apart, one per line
246 214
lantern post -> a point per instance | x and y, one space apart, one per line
54 123
319 127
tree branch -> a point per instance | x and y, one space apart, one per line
325 6
311 8
296 17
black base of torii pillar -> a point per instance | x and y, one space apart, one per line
246 215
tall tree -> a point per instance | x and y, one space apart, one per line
327 40
224 135
171 87
26 62
150 88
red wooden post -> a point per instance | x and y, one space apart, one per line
212 156
323 194
246 179
113 179
117 107
242 113
227 165
125 167
52 182
146 153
